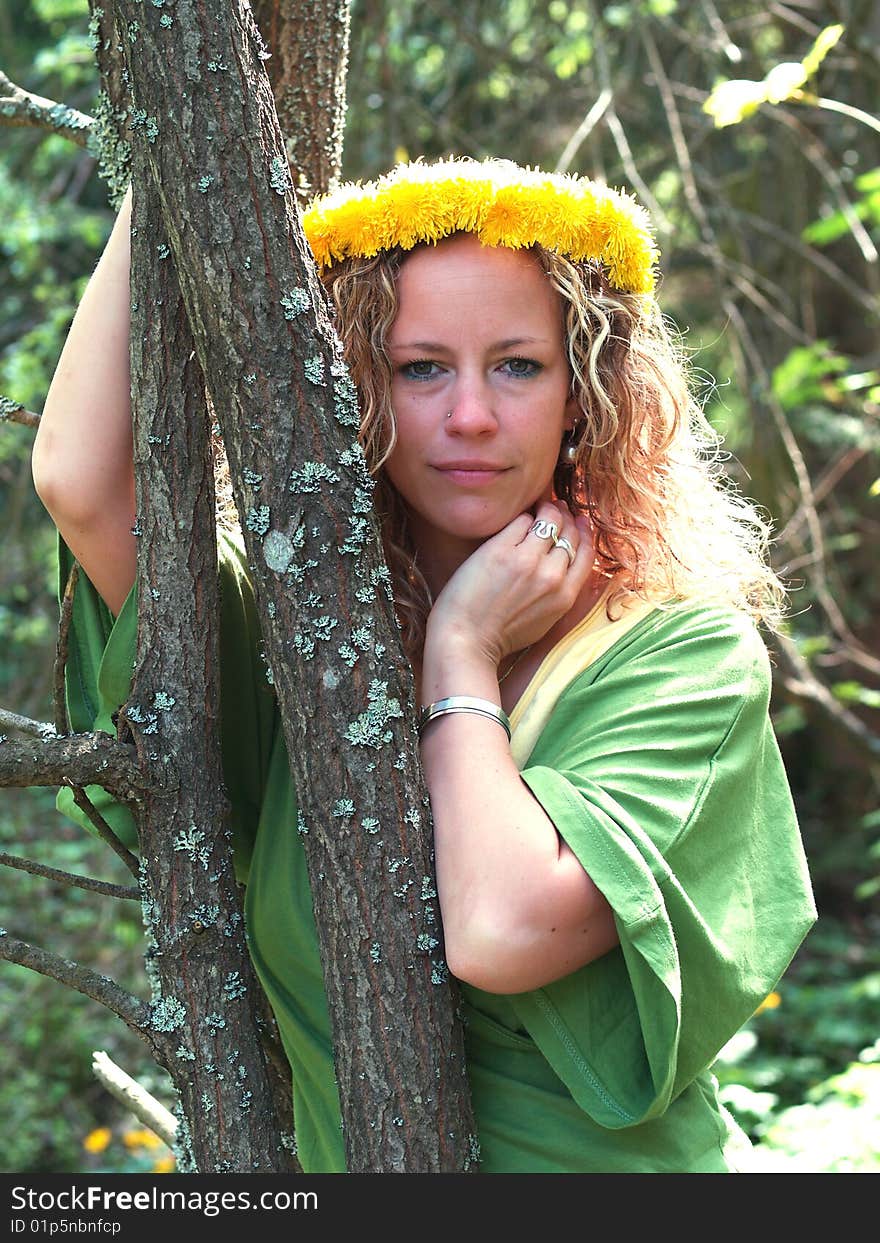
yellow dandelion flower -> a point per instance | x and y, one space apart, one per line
164 1165
503 204
97 1140
504 223
771 1002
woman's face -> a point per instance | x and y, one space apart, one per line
480 391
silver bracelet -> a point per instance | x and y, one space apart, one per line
464 703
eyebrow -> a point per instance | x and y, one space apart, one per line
435 347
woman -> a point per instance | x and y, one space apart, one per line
619 870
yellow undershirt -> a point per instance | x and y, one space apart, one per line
583 644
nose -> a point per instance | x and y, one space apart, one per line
472 412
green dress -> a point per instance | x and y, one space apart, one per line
648 743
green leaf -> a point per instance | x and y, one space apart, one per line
830 228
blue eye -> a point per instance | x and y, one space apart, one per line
521 368
419 369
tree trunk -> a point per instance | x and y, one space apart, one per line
202 1027
288 412
308 41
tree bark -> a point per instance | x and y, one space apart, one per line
288 412
308 42
203 1027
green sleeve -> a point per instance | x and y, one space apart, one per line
101 654
660 770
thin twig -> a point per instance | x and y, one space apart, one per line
62 723
693 197
615 126
824 595
804 684
786 435
82 800
727 45
847 110
20 107
810 147
76 760
132 1010
580 135
813 256
70 878
13 411
104 830
778 317
826 482
679 142
145 1107
787 15
618 133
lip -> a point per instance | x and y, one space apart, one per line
470 472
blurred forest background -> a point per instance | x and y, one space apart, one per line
769 228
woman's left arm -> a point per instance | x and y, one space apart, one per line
519 911
518 908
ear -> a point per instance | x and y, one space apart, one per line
573 413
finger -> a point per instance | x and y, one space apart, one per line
547 525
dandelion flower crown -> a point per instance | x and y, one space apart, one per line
499 202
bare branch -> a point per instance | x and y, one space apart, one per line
77 759
796 19
580 134
25 725
14 412
679 142
728 47
803 684
145 1107
615 128
810 146
70 878
754 295
132 1010
104 830
826 483
20 107
813 256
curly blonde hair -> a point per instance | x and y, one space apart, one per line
647 470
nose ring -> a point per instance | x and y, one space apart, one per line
450 414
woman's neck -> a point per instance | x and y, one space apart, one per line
439 559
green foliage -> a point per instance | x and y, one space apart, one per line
49 1098
837 224
802 1077
835 1131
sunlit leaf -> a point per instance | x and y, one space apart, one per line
782 81
822 232
825 41
730 102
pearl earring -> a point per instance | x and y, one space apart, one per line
568 448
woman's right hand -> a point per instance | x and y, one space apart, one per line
514 588
82 456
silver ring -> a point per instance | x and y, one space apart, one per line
544 530
566 547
